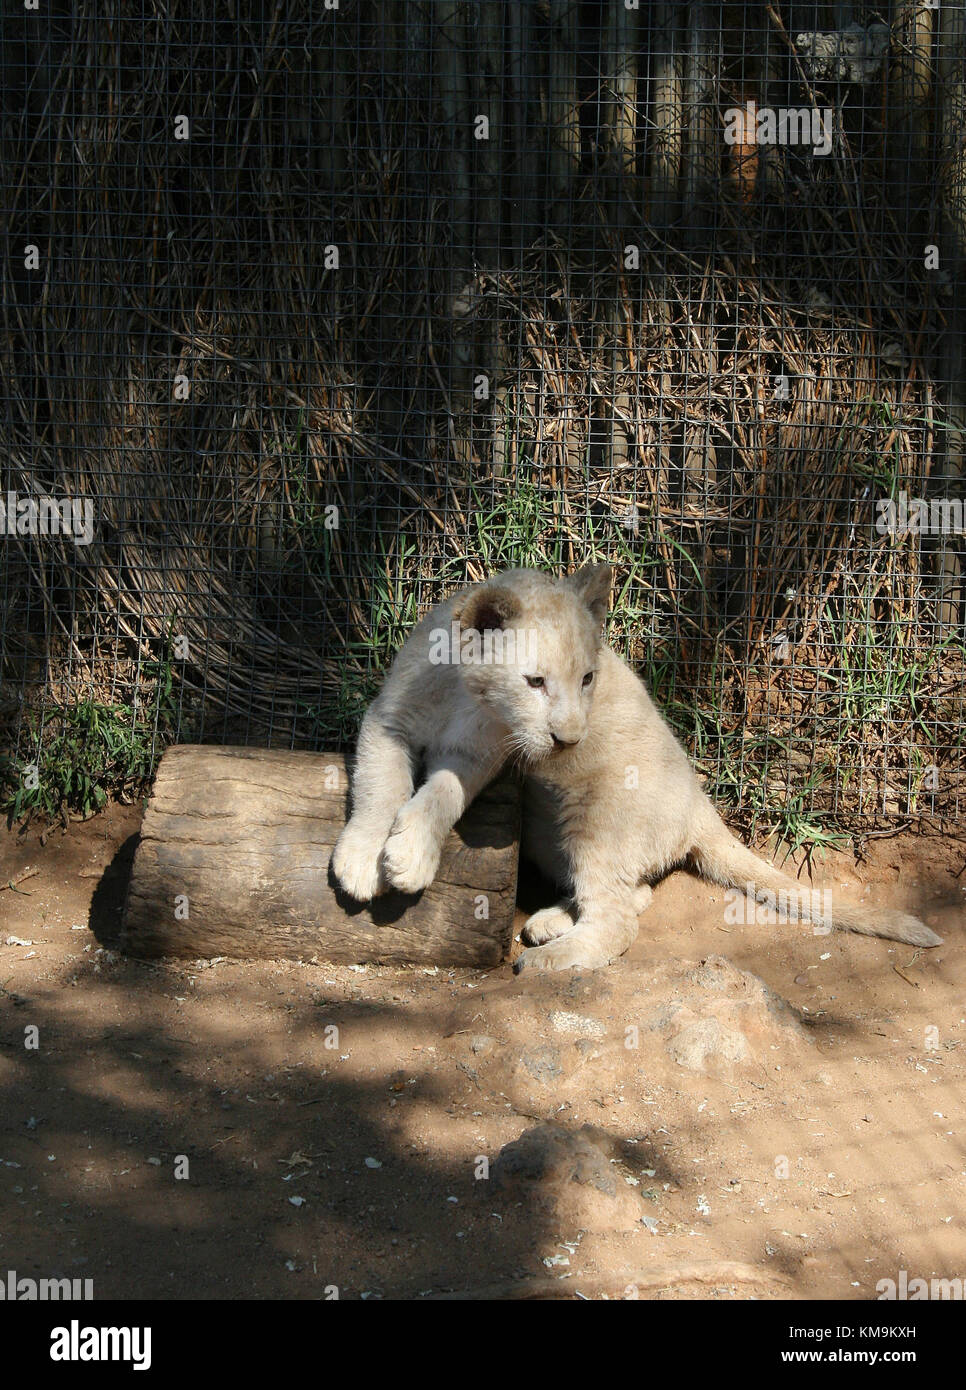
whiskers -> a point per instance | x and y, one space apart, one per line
518 751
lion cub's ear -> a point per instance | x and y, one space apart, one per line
486 607
592 584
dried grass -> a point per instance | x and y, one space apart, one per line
649 389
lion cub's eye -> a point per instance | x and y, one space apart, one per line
588 678
534 682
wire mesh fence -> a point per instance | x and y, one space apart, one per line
312 313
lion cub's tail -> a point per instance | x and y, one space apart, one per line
719 857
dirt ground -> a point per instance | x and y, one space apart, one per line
252 1130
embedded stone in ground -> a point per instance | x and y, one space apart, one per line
569 1177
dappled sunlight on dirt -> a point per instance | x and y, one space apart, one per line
785 1120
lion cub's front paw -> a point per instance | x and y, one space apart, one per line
412 852
355 863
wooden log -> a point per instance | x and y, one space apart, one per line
618 96
702 122
948 483
234 861
563 99
452 49
910 108
667 140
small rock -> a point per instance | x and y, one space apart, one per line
568 1175
543 1063
563 1022
701 1045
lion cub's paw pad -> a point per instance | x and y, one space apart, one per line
546 925
411 856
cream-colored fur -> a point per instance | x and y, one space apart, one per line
611 803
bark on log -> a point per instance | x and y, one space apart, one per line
241 838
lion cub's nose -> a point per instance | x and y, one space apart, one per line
564 742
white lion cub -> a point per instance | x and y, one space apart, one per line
516 669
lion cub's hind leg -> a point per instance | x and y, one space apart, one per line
549 922
575 946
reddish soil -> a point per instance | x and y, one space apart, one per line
828 1158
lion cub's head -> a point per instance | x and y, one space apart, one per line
528 651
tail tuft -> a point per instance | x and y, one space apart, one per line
901 926
719 857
